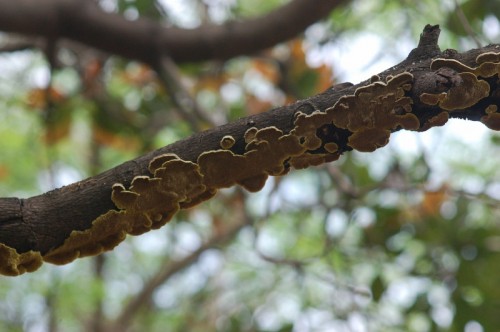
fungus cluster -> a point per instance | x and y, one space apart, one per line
471 88
13 263
151 201
369 115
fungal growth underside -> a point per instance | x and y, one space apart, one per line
371 114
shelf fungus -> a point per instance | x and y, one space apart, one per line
227 142
437 120
150 202
492 117
470 87
14 264
371 114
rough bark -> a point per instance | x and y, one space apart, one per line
43 222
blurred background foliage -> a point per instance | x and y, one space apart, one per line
403 239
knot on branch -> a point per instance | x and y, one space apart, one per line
427 45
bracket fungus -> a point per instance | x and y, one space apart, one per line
437 120
371 114
492 117
13 263
471 87
362 120
227 142
459 97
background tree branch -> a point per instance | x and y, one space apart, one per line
169 269
147 41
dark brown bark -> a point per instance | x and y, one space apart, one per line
146 40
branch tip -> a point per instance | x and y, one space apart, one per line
430 35
428 43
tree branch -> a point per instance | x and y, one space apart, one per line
421 92
187 106
147 41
